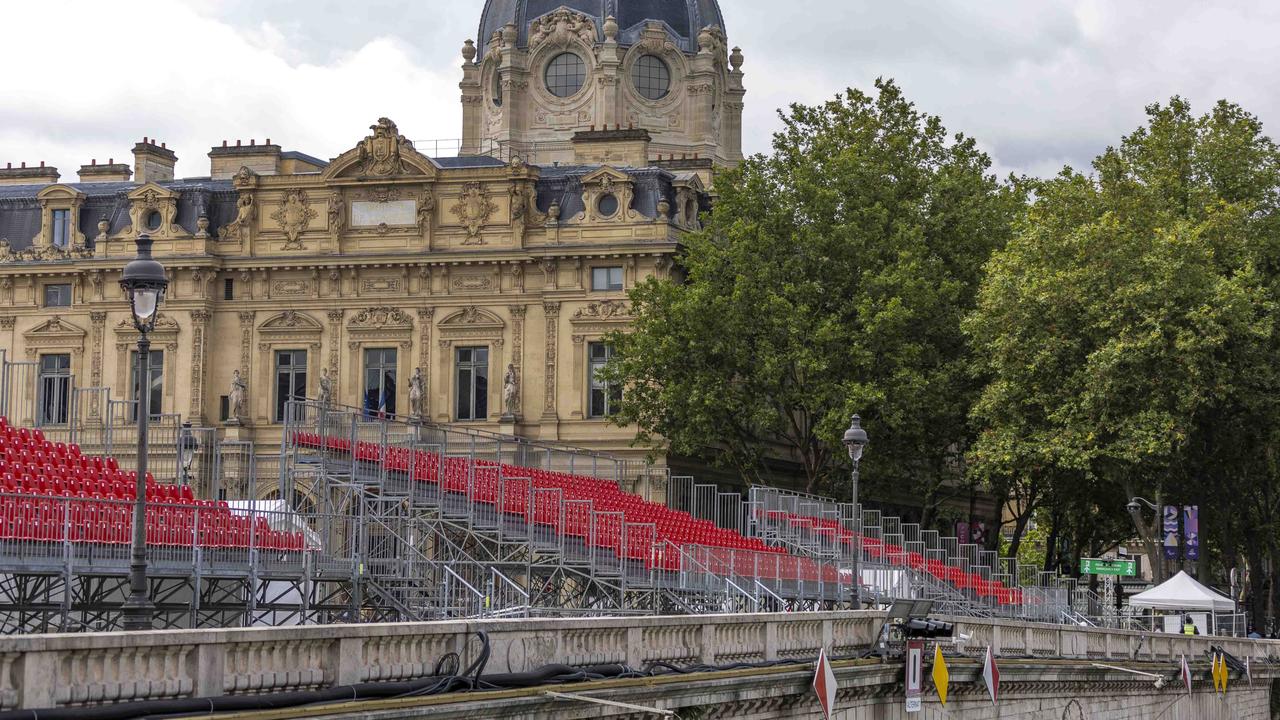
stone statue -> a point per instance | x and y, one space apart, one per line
426 206
336 208
244 216
510 392
417 394
237 399
325 396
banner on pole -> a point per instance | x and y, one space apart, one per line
915 675
1191 530
1186 674
1170 532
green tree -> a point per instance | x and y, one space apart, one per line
1129 329
831 277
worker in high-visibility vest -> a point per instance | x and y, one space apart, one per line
1189 627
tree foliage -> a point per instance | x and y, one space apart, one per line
1129 329
831 278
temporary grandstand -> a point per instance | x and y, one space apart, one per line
376 518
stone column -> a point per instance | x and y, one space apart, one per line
425 317
97 330
579 375
518 313
552 312
199 328
246 359
335 352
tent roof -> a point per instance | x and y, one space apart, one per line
1182 592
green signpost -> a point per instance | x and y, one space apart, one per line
1098 566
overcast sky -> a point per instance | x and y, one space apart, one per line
1039 83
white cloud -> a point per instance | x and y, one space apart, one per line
191 81
1038 84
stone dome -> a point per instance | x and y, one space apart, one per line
684 18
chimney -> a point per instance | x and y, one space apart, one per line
23 175
612 147
112 171
226 160
152 162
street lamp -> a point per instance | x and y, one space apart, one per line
855 440
1134 506
145 282
188 446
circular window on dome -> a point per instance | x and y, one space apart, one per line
566 73
497 90
651 77
152 221
608 205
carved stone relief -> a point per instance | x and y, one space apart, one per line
473 209
293 216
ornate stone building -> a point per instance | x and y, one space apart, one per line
397 282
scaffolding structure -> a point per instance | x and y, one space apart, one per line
408 520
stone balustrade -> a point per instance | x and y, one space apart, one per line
40 671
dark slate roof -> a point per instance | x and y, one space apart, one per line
20 211
563 184
684 17
468 161
295 155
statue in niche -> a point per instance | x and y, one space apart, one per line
336 209
237 399
510 393
417 394
426 206
239 227
325 396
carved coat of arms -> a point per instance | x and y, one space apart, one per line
474 208
293 216
380 152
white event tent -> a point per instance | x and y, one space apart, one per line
1183 593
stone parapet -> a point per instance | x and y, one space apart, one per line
90 668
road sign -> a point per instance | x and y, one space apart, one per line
824 684
1098 566
915 675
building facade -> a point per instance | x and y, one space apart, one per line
474 289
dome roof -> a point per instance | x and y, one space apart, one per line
684 17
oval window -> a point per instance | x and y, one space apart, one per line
608 205
652 77
153 220
566 74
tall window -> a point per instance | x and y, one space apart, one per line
291 380
379 398
61 228
473 383
606 278
604 396
228 289
154 384
57 295
54 389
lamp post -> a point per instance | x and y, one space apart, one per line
855 440
188 446
1149 537
144 282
